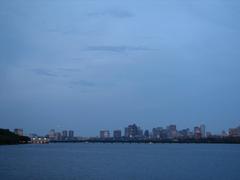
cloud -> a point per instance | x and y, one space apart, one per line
118 48
58 72
61 72
44 72
69 69
116 13
83 83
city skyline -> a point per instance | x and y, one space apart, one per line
214 129
64 133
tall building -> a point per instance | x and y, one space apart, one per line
139 132
117 134
64 135
70 134
172 131
18 132
184 133
104 134
58 136
146 134
203 131
51 134
132 131
156 132
197 132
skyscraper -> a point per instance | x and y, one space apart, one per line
64 135
146 134
172 131
70 134
131 131
58 136
197 132
203 131
156 132
51 134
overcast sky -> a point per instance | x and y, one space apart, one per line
88 65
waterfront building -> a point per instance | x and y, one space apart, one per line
51 134
18 132
39 140
172 131
203 131
58 136
139 132
70 134
156 132
146 134
164 134
133 131
234 132
104 134
197 132
117 134
65 135
184 133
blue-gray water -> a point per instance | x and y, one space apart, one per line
120 161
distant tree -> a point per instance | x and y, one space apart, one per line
8 137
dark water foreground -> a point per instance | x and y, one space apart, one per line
120 161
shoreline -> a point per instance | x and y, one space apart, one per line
150 141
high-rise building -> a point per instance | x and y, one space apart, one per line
203 131
156 132
18 132
51 134
58 136
172 131
70 134
132 131
64 135
146 134
184 133
104 134
197 132
139 132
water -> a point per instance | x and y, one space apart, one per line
120 161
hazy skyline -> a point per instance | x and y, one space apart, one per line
88 65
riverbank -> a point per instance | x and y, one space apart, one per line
7 138
228 140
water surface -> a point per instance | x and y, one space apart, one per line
120 161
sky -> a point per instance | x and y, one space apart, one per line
88 65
